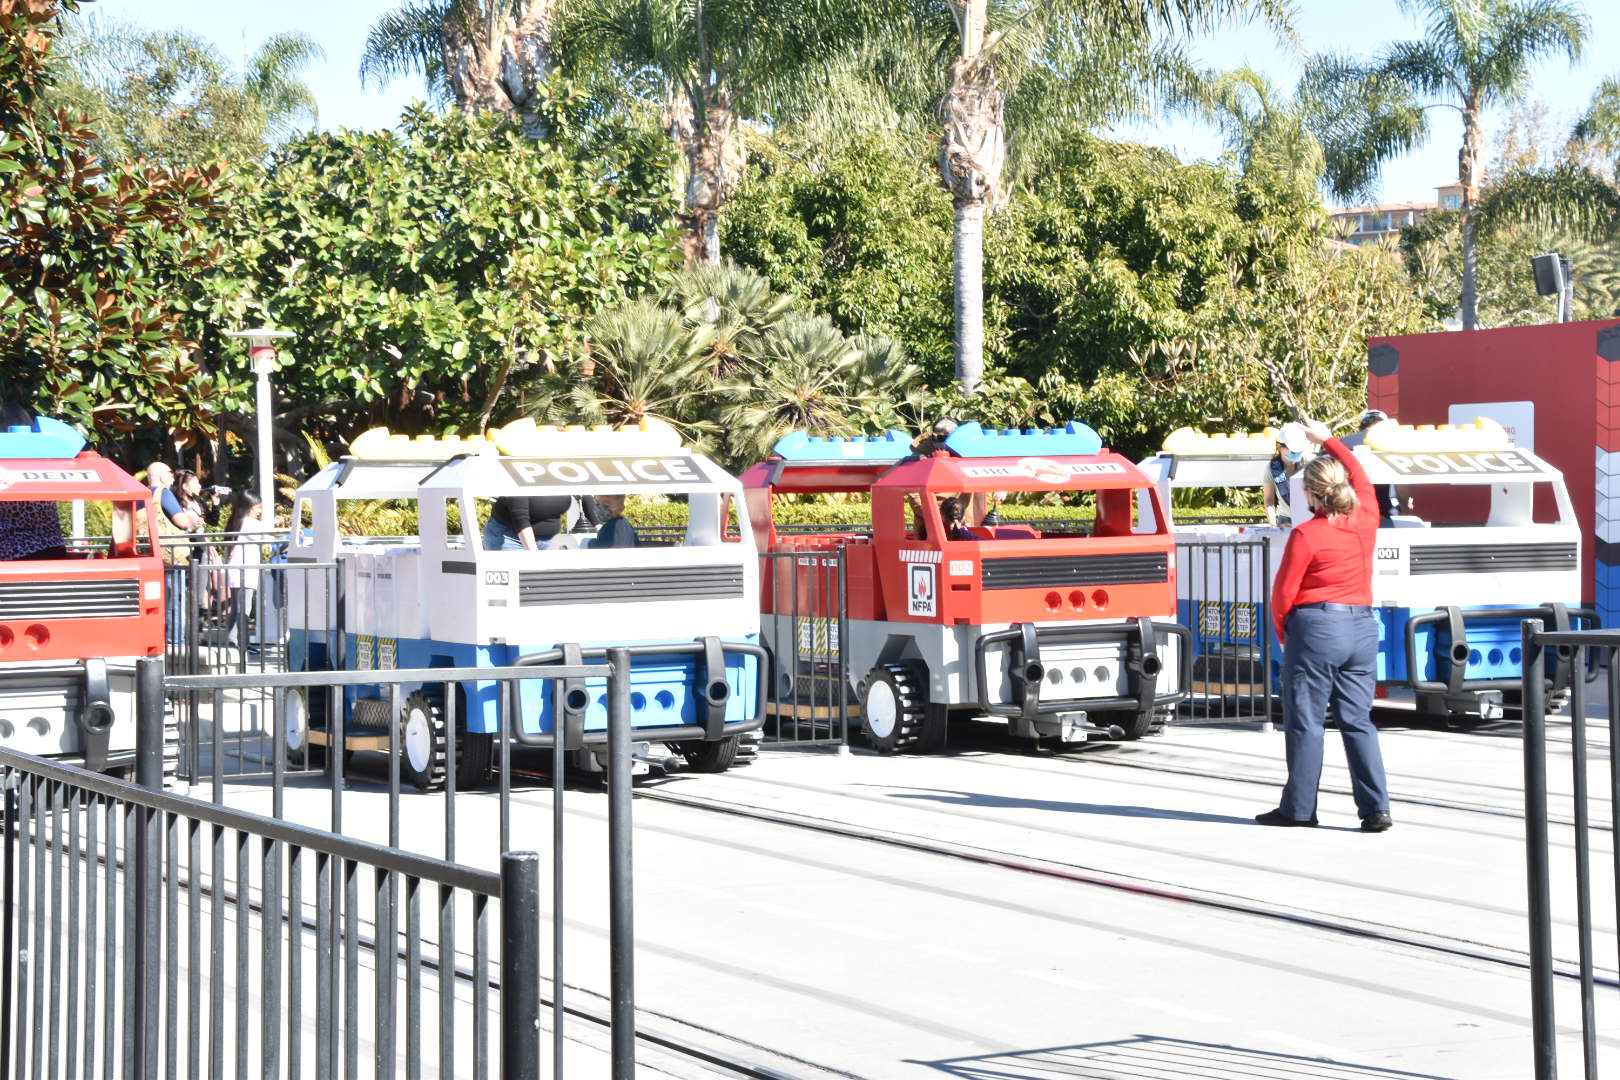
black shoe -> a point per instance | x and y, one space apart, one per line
1275 817
1379 822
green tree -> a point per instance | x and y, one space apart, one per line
1475 54
170 96
483 55
431 272
1034 64
717 65
90 257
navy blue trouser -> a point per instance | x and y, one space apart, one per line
1331 656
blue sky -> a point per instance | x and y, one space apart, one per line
340 26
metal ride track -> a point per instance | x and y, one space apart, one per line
1082 875
1271 782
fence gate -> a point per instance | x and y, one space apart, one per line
1223 595
804 626
224 618
1569 648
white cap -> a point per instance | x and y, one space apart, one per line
1294 438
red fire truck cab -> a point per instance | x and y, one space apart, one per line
1064 632
72 626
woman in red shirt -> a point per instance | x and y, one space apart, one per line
1322 607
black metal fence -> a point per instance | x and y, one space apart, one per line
1224 598
1570 651
157 934
805 629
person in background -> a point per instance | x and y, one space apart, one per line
1288 460
1391 500
616 531
520 522
31 529
247 520
1322 609
160 478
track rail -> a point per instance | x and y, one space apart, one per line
1457 947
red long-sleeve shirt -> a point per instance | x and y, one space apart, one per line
1329 560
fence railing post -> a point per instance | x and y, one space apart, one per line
520 965
1543 1028
621 880
144 938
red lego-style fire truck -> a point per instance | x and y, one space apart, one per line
1067 633
72 626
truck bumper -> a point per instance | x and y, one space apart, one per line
1457 689
1150 685
79 709
572 700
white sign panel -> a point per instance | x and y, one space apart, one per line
924 589
1518 417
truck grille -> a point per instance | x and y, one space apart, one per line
618 585
1061 571
1492 558
105 599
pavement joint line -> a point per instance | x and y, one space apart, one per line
1058 980
857 930
1172 1009
1412 939
1334 1052
973 814
952 954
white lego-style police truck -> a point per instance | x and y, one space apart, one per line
688 612
1493 540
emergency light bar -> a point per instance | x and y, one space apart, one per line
802 446
45 438
525 438
1483 434
1074 439
379 444
1190 442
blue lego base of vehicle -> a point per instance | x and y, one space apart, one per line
1223 629
665 689
1494 646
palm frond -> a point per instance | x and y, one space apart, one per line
407 41
1567 197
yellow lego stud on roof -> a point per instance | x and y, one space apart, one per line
1189 442
379 444
525 438
1483 434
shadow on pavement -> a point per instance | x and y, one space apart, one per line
1151 1055
1007 802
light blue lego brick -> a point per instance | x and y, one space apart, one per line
1074 439
43 439
802 446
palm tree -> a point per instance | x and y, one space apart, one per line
805 379
170 96
1031 65
721 64
1600 124
649 364
484 55
1475 54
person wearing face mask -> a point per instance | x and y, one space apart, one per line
1285 466
1321 607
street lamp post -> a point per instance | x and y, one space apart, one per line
262 350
